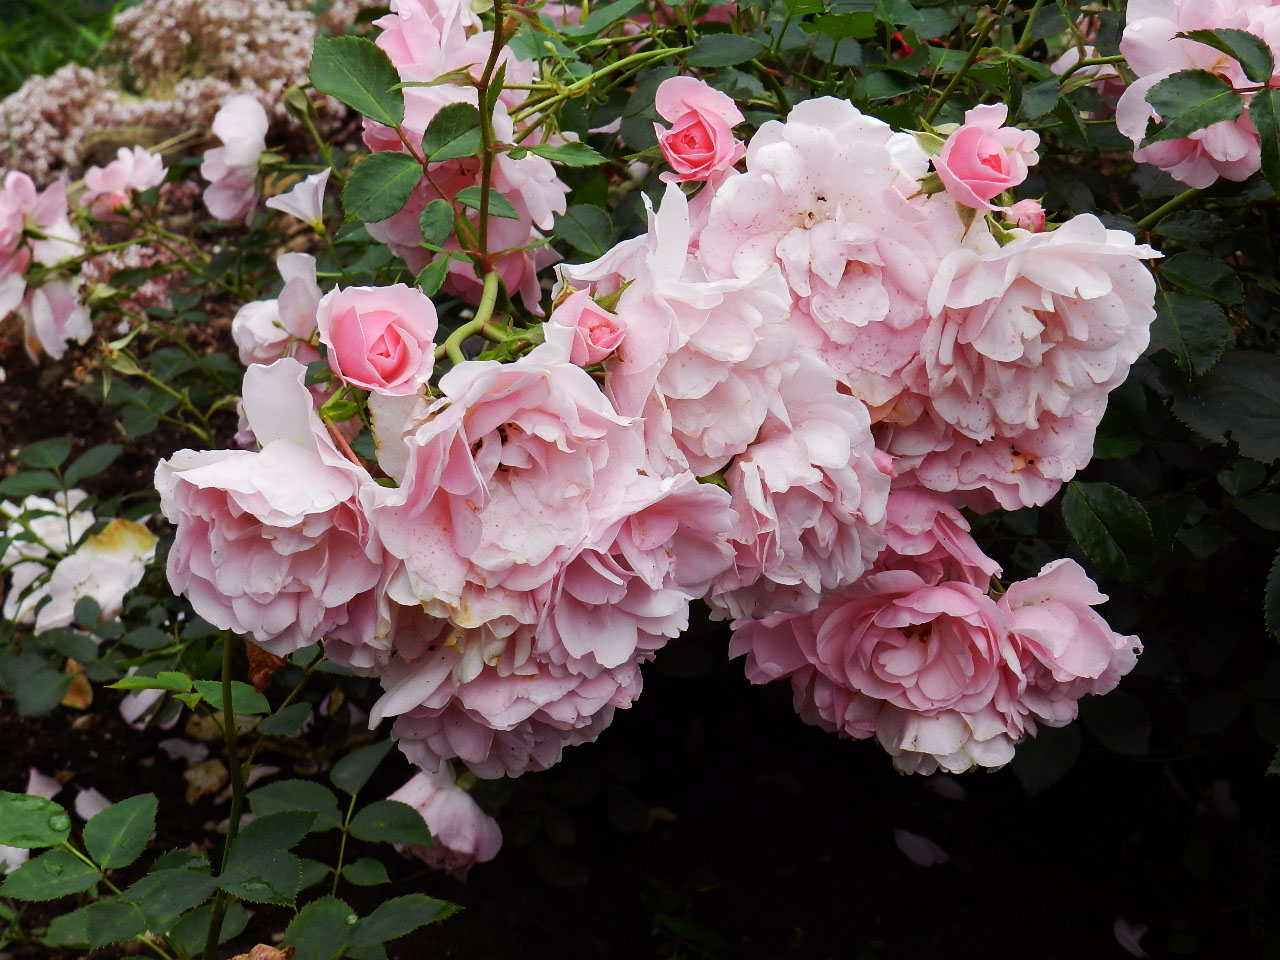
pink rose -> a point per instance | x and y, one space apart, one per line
464 834
107 188
1027 214
984 158
700 142
232 169
273 544
379 338
596 331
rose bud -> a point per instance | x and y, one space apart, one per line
700 142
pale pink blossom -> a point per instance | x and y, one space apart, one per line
984 158
305 200
1026 214
700 142
925 527
52 316
462 834
232 169
273 544
596 332
105 566
108 188
810 501
56 525
266 330
379 338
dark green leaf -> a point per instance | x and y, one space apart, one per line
1038 99
728 50
275 831
28 482
1207 275
1252 53
1189 226
321 930
842 26
41 692
399 916
601 18
1111 528
353 771
1239 398
357 72
313 872
379 186
53 874
1264 510
99 924
586 228
1043 760
1191 100
192 928
570 154
884 84
245 701
499 206
164 895
436 222
432 276
286 722
117 836
1273 768
92 462
46 454
1193 329
390 821
30 821
306 795
86 612
453 133
1213 712
366 872
1119 721
266 876
1264 111
897 12
165 680
1271 606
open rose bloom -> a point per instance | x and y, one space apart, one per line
785 397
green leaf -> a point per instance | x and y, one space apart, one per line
1207 275
1239 398
86 612
1271 606
304 795
314 872
729 50
1264 111
1043 760
46 454
30 821
436 222
499 206
164 895
41 692
570 154
586 228
245 701
884 84
839 26
92 462
1252 53
897 12
357 72
287 722
601 18
29 482
117 836
431 277
399 916
263 876
1038 99
165 680
353 771
390 821
379 186
1111 528
192 928
99 924
1119 721
1191 100
1193 329
452 134
366 872
1263 510
53 874
321 930
275 831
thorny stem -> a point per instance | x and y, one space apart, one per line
237 797
487 137
1091 62
578 87
342 845
1025 40
1177 203
983 32
452 347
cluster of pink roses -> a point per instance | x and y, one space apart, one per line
798 377
1154 52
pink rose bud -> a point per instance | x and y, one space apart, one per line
379 338
984 158
596 331
1027 214
700 142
